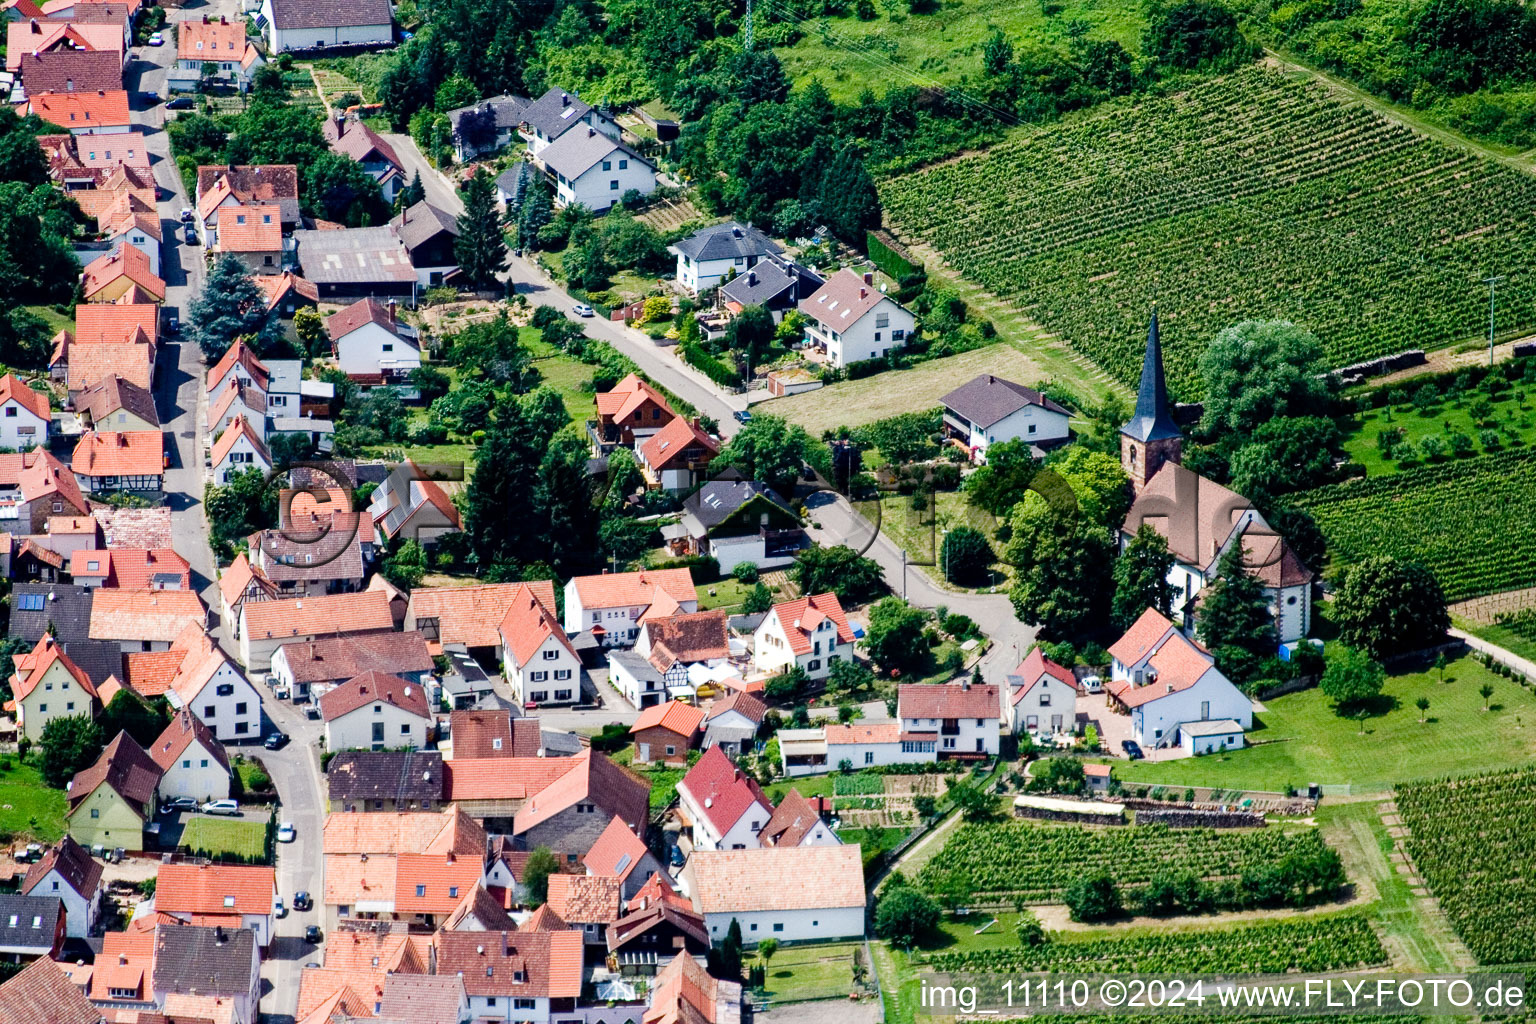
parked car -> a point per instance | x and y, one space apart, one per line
186 214
157 39
312 711
1132 750
275 741
742 416
230 807
179 103
301 900
149 96
312 935
1091 684
583 310
189 235
278 910
181 803
285 833
173 325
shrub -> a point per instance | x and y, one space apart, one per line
906 917
745 572
1093 897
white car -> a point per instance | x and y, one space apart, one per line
583 310
157 39
1091 684
278 910
230 807
285 832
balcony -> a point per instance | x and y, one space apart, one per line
951 727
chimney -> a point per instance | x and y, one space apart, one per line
565 100
735 231
218 934
751 277
205 19
394 311
965 684
863 292
591 131
869 277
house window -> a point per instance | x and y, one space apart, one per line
869 757
1205 710
421 890
778 926
812 666
242 726
186 763
539 695
10 410
562 695
1045 698
42 709
607 165
562 673
623 165
551 655
613 184
496 743
204 763
523 1004
538 677
95 812
70 706
405 729
671 750
240 708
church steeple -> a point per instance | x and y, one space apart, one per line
1150 437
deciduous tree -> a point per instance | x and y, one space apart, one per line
1141 577
1385 606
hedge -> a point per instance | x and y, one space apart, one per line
885 254
716 370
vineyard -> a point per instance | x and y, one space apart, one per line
1474 841
1303 944
1256 195
1036 862
1471 522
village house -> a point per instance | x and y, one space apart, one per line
622 855
294 25
557 112
731 722
111 801
83 163
69 872
286 294
30 927
212 686
103 112
411 505
385 781
987 409
365 147
238 401
725 806
680 644
540 663
67 69
253 235
739 521
677 457
314 668
126 224
216 41
237 367
349 264
1042 697
631 411
796 822
37 486
24 415
44 991
469 616
222 187
267 625
192 761
706 257
130 569
787 893
237 450
776 283
586 903
208 962
362 854
514 975
132 460
636 679
298 566
117 404
371 345
685 991
659 928
611 605
145 620
1175 694
113 275
851 320
569 814
235 896
48 685
956 719
666 732
808 633
503 115
594 170
429 236
88 365
374 711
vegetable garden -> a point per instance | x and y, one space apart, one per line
1254 195
1007 860
1474 841
1304 944
1472 522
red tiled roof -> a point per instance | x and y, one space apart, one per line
684 993
210 40
185 729
444 881
471 615
528 624
76 111
863 733
842 301
550 962
790 822
1176 665
275 286
662 448
1133 645
120 453
149 673
363 311
215 889
12 389
626 396
585 899
90 365
947 700
688 637
1035 667
744 703
246 356
616 851
237 429
361 612
591 777
115 321
634 589
721 790
674 716
250 228
374 687
800 617
30 668
130 568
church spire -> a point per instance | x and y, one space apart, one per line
1153 418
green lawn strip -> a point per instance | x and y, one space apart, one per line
54 320
565 374
1302 740
800 973
1442 421
27 807
893 967
1507 637
222 835
921 531
809 785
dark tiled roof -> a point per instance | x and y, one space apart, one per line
727 241
291 14
986 399
343 657
71 71
574 153
115 393
79 870
34 606
127 768
554 112
418 224
386 775
1153 418
768 280
509 110
718 500
211 961
285 559
17 916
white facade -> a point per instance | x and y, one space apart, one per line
227 703
1031 424
551 676
196 774
701 275
257 421
1212 698
772 653
742 835
789 925
377 725
751 547
373 348
1291 606
509 1008
884 327
640 692
867 755
21 428
279 40
1047 708
966 735
141 240
538 141
242 455
1211 738
601 185
621 623
80 909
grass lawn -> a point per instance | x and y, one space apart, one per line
729 593
1512 640
846 54
856 402
809 785
799 973
55 320
225 836
564 374
1302 740
1509 418
27 807
920 531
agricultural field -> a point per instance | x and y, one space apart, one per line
1470 521
1472 840
1367 233
1001 861
1513 631
847 55
1328 943
881 801
1490 426
215 837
